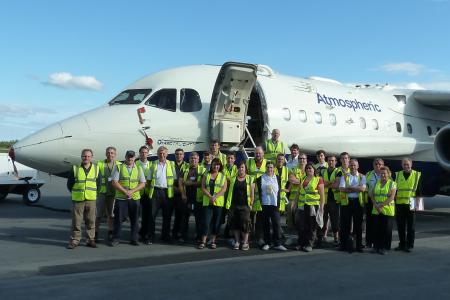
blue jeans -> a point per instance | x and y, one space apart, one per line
211 219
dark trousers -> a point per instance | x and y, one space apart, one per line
351 212
123 209
271 216
211 220
146 218
406 225
369 224
306 225
181 214
256 218
383 231
330 212
161 201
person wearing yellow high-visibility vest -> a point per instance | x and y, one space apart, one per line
214 185
146 206
371 180
273 146
310 204
207 159
192 195
296 176
352 187
409 192
128 179
106 194
256 167
343 169
230 170
180 206
331 208
161 179
321 164
82 183
214 151
239 201
383 210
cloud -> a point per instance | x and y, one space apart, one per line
66 80
14 111
409 68
440 86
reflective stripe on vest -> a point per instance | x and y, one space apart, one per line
146 170
309 195
336 192
284 178
406 188
272 151
230 173
85 187
332 178
381 194
170 170
218 184
344 196
128 181
248 182
200 171
295 188
252 170
104 176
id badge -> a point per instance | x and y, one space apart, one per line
109 179
192 178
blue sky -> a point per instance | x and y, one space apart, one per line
59 58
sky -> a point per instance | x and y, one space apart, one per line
59 58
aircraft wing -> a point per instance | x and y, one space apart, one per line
435 99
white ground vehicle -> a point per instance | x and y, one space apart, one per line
19 179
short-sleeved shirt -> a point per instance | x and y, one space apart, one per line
116 176
269 190
353 181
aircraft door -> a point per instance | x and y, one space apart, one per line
230 100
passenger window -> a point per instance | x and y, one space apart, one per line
286 114
164 99
333 120
409 128
318 117
429 130
375 124
190 100
302 116
399 127
362 123
130 96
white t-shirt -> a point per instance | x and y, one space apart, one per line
353 182
269 190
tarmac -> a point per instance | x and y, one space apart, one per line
35 263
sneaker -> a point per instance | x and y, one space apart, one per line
280 248
307 248
236 246
261 242
113 243
289 242
91 244
72 245
231 242
245 246
147 242
265 247
134 243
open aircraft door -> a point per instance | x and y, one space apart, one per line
229 103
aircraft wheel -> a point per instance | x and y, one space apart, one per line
31 196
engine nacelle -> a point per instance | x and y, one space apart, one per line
442 147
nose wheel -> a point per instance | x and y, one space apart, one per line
31 196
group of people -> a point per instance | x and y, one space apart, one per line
247 198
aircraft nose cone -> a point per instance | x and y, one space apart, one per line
39 150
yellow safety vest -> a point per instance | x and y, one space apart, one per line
101 167
284 178
218 185
248 181
368 178
222 157
252 170
337 193
146 170
344 196
85 187
381 194
406 188
295 188
309 195
332 178
230 173
170 170
272 151
200 171
128 181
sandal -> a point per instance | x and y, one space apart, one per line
213 246
201 246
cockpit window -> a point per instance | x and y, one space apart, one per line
131 96
164 99
190 100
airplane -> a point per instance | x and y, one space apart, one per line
239 104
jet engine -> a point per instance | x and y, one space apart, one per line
442 147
